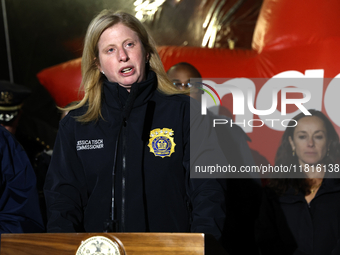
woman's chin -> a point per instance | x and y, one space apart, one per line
127 83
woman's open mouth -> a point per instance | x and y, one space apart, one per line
127 70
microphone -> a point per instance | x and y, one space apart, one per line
112 224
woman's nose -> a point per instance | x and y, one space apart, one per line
123 56
311 142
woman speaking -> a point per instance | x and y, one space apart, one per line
122 156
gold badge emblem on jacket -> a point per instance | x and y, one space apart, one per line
161 143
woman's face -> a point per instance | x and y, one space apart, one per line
121 56
309 140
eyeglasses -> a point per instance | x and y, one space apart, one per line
182 85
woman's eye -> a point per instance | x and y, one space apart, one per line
129 44
110 50
302 136
319 137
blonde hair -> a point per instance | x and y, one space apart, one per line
92 79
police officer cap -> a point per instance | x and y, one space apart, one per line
12 97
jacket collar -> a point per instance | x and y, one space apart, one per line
328 186
115 96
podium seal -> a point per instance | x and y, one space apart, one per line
100 245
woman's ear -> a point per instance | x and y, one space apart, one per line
96 61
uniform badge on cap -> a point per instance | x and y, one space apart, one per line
6 97
12 97
161 143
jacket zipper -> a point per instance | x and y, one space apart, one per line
123 176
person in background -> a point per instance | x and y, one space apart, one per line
12 97
180 75
300 213
121 160
19 203
244 195
35 136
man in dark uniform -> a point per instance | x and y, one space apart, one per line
35 136
19 203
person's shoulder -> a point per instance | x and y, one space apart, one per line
78 111
270 193
180 98
236 129
176 99
71 117
8 140
5 134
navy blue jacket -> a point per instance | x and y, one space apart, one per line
289 225
19 204
152 193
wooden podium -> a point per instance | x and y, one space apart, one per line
133 243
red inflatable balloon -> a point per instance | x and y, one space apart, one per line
293 39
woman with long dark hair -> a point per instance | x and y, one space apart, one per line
300 212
